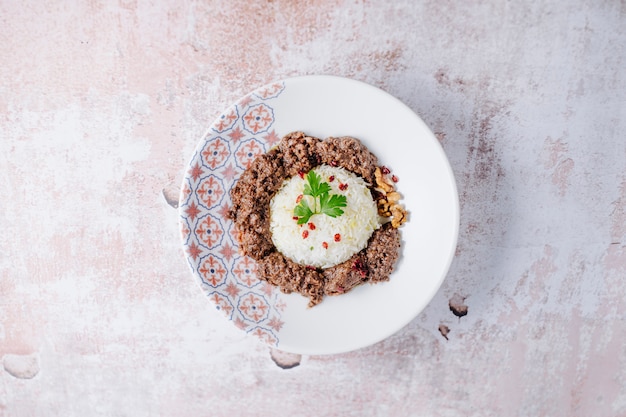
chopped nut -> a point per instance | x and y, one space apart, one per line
393 197
380 181
398 216
387 202
383 208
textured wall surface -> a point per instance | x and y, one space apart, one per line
103 102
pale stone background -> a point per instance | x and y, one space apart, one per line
102 103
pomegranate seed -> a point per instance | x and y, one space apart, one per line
299 198
394 178
331 178
295 217
333 163
343 187
311 267
301 174
305 234
311 226
385 170
325 245
337 237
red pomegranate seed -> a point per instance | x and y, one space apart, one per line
295 217
385 170
305 234
311 267
337 237
301 174
343 187
299 198
331 178
394 178
325 245
333 163
311 226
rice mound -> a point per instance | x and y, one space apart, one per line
320 247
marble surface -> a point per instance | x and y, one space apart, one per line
102 104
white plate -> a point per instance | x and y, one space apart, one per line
320 106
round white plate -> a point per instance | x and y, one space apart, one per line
320 106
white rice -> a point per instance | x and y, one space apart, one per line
354 226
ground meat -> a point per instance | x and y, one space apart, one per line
349 153
382 252
251 196
345 276
292 277
373 264
261 180
299 153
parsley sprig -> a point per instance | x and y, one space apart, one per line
322 201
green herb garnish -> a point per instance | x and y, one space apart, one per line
323 202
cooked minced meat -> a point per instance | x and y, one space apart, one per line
298 153
382 252
292 277
349 153
373 264
345 276
251 197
